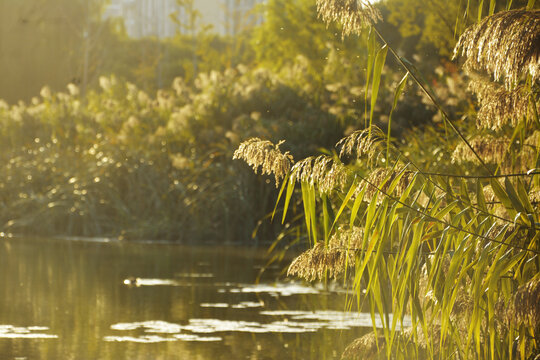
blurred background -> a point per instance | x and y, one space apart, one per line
56 42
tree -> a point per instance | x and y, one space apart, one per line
47 42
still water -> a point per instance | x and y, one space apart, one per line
79 299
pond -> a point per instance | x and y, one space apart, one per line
99 299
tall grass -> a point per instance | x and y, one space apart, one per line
442 226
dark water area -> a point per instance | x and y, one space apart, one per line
65 299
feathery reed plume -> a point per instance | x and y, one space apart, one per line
381 178
534 139
353 15
347 239
499 106
492 150
319 261
332 259
324 171
534 196
256 152
495 151
506 45
366 347
525 305
362 142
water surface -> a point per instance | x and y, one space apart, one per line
66 299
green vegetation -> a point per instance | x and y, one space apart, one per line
415 184
441 227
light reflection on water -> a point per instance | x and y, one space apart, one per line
107 300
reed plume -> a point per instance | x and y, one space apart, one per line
496 150
353 15
381 178
525 306
492 150
499 106
256 152
506 45
323 171
320 261
362 142
366 347
332 259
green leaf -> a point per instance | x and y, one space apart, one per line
480 198
288 195
377 72
345 202
356 206
480 8
530 4
513 196
397 94
492 4
524 196
502 196
372 41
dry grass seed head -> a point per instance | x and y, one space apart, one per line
319 261
491 150
353 15
347 239
494 150
499 106
525 306
324 171
256 152
506 45
361 142
381 178
365 347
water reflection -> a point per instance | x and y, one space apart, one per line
107 300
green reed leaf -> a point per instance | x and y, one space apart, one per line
377 72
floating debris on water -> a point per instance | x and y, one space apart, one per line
19 332
292 321
133 281
191 337
149 339
279 289
248 304
215 305
341 320
154 326
241 305
195 275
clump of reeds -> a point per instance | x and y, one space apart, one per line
506 45
263 153
332 259
499 106
353 15
324 171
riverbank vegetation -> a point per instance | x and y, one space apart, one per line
408 175
442 226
